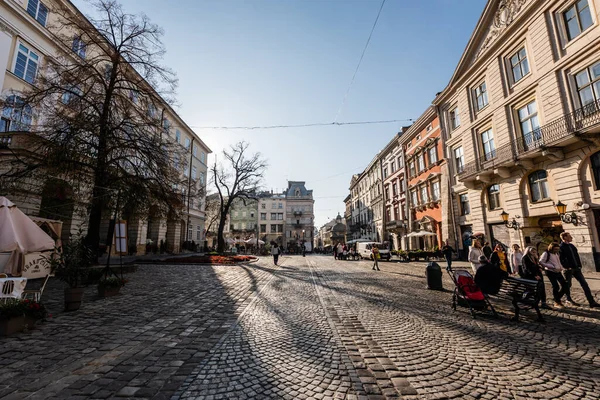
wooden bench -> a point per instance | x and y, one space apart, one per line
523 294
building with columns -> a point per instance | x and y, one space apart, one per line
521 124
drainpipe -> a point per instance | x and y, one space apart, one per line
189 186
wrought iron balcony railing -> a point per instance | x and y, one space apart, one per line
545 136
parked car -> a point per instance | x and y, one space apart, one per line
364 250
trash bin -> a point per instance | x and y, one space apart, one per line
433 272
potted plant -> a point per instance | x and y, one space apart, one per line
71 265
34 312
110 286
12 317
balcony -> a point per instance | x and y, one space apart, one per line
297 213
396 226
545 141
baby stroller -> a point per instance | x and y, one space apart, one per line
467 294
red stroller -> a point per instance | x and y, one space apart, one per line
467 293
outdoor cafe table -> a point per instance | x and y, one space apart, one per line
12 287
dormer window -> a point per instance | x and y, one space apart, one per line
297 192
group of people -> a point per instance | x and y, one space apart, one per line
557 260
345 252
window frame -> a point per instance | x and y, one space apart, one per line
539 183
491 139
595 171
484 95
37 61
463 199
460 168
14 124
37 11
565 24
495 196
454 117
436 194
432 150
519 64
79 47
591 84
421 162
534 138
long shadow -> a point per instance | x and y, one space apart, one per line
150 337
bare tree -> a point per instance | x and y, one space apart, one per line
99 106
239 178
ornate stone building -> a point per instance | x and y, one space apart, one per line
271 217
299 216
521 120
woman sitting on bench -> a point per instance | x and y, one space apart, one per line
533 270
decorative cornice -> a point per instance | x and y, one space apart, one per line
6 28
505 15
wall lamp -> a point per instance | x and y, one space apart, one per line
568 218
510 224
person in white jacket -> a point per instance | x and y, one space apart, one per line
516 255
550 260
474 255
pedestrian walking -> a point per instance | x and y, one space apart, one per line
550 260
275 251
447 251
474 255
335 253
340 251
489 276
303 250
516 256
533 270
569 258
487 250
498 258
376 256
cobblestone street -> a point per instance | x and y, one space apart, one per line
310 328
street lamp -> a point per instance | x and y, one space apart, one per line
303 245
510 224
571 218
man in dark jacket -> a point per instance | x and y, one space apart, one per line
569 258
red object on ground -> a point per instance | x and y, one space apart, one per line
211 259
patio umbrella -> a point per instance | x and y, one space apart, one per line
253 241
19 235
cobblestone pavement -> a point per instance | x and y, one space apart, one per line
311 328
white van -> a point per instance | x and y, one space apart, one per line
364 250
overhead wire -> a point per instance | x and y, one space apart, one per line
359 63
334 123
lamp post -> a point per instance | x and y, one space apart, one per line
303 245
561 209
510 224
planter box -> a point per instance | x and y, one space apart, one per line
73 298
11 325
108 292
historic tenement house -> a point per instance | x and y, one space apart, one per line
26 43
299 216
521 118
423 152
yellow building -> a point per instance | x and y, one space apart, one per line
521 118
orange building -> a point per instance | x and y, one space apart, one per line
424 155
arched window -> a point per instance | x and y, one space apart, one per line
595 162
16 116
538 185
493 193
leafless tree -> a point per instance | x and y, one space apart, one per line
100 111
238 177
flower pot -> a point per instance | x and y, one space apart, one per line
11 325
73 298
30 322
108 291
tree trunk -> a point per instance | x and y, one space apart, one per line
220 238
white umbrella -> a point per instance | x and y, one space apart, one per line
19 235
253 241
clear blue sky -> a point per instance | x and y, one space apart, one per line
285 62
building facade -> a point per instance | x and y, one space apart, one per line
394 194
521 118
271 217
299 216
25 44
242 219
423 149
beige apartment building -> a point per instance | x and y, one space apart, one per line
271 217
299 216
521 118
25 44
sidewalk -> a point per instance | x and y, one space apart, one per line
116 260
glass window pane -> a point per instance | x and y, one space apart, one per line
532 107
514 60
573 28
585 16
517 73
597 90
525 66
586 96
582 78
595 70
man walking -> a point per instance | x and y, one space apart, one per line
447 250
569 258
275 252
